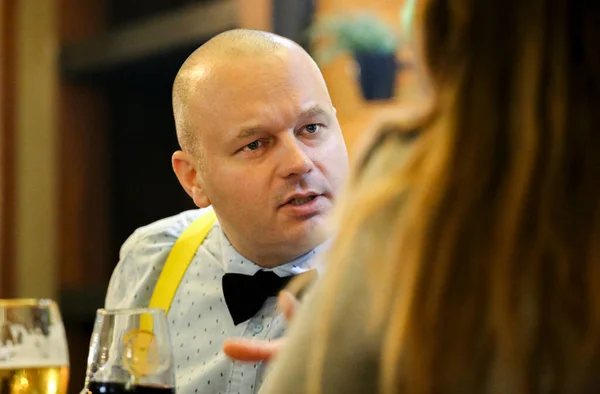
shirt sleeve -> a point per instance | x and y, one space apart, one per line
141 260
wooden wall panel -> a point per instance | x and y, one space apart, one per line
79 20
255 14
83 201
7 111
35 141
84 188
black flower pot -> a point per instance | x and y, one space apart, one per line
377 75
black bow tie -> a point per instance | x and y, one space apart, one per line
245 294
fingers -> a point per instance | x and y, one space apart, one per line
287 304
247 350
250 350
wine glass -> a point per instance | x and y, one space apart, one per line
34 356
130 352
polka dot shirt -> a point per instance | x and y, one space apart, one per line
199 320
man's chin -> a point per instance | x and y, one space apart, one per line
309 233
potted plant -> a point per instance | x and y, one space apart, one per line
371 42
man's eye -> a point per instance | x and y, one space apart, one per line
312 128
253 145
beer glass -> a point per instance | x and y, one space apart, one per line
130 352
33 348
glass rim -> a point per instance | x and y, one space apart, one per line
26 302
130 311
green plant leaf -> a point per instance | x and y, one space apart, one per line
353 33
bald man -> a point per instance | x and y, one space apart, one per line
261 146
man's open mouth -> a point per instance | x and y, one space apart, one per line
301 200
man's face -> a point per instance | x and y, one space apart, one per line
273 153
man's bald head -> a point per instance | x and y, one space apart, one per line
203 63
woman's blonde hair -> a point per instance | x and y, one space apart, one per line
488 277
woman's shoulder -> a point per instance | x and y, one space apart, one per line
386 152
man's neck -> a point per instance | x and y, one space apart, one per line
275 254
266 257
271 260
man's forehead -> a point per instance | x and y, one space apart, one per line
250 95
241 60
238 89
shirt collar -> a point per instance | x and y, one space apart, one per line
234 262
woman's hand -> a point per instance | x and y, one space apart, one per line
250 350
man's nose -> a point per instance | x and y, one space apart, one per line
294 159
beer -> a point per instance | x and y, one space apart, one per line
33 348
43 380
124 388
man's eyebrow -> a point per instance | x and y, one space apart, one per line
250 131
314 111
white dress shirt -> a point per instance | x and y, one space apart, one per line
199 320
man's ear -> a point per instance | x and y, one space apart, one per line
185 167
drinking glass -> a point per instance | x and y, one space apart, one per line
34 356
130 352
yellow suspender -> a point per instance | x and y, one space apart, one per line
179 259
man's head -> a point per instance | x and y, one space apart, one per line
260 142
